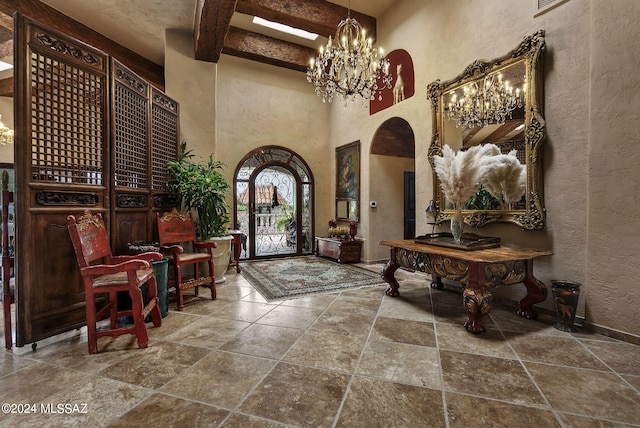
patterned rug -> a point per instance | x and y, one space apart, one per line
280 279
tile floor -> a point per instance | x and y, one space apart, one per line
355 359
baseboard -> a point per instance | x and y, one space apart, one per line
580 323
549 315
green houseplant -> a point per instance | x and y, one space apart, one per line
201 187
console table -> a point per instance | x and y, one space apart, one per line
236 248
342 250
478 270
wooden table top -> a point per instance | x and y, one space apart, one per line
487 255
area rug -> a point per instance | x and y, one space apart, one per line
278 279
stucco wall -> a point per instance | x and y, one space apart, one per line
386 220
613 229
193 84
591 152
591 177
235 106
261 105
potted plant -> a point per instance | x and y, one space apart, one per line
202 187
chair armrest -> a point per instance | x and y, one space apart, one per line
130 265
205 245
149 256
172 249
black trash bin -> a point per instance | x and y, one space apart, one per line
160 270
565 296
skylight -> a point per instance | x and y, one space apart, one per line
284 28
5 66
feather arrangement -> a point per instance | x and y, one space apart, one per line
461 173
506 178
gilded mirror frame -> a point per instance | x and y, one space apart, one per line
529 52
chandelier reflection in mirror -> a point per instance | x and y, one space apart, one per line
6 134
485 102
349 66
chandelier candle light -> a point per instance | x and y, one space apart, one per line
349 65
490 103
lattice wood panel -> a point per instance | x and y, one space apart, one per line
67 108
164 137
131 129
61 164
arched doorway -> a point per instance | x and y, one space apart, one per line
392 154
273 203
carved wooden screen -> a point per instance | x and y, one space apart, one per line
164 147
86 134
131 220
61 87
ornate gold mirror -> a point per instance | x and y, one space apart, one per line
497 102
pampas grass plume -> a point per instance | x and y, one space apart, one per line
462 173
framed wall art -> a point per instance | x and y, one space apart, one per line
348 182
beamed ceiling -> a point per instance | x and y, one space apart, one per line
214 34
219 26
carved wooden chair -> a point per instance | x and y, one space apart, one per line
104 273
175 231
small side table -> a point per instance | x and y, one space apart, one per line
341 250
236 248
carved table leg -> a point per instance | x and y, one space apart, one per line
477 298
436 282
388 275
536 292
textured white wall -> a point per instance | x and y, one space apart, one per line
386 187
613 228
591 152
193 84
261 105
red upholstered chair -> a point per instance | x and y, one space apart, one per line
104 273
176 229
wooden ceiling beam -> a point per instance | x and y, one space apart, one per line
213 34
316 16
212 22
261 48
6 48
6 27
502 131
56 20
6 87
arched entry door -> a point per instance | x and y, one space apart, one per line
274 203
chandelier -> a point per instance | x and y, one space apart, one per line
6 134
349 65
489 101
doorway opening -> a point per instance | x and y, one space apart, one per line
273 203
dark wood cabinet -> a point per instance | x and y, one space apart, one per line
342 250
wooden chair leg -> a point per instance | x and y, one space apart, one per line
179 297
196 276
152 293
113 312
8 337
138 317
92 339
212 285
